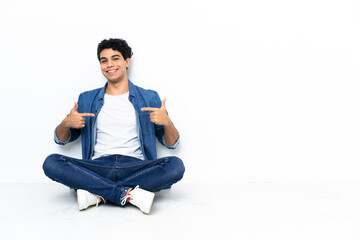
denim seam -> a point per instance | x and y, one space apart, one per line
95 177
138 174
89 164
131 165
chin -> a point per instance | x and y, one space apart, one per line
114 80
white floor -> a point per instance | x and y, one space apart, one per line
188 211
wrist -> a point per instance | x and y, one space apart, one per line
168 123
64 124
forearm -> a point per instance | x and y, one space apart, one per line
171 135
62 132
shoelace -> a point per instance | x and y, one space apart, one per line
96 198
128 195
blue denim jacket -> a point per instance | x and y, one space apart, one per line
92 102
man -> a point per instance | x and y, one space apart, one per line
118 124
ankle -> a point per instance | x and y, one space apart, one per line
127 194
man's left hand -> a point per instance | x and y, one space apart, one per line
158 115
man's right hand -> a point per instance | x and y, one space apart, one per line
75 119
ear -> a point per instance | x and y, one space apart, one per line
127 62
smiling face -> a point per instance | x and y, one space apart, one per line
113 65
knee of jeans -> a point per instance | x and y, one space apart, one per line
50 164
178 167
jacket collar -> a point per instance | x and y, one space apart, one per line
132 91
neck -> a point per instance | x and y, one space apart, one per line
117 88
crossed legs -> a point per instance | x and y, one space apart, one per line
111 177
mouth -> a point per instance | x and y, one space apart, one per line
112 71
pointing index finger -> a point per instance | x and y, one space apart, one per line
87 114
149 109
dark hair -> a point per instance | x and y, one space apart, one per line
116 44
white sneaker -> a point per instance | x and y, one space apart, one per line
87 199
141 198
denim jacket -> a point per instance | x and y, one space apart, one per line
92 102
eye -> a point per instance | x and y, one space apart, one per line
116 59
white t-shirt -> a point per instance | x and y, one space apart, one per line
116 128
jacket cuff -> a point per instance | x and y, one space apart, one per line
171 146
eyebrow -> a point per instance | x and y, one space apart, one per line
111 56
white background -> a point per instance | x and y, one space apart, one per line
261 91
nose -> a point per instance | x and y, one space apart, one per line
110 64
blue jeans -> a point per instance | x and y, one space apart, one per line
112 176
